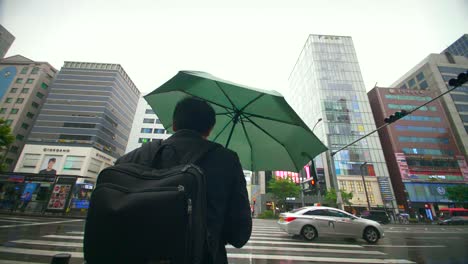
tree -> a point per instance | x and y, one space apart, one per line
330 197
6 138
283 188
458 194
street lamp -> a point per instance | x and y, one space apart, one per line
314 171
364 182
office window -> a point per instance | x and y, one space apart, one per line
411 83
422 118
464 118
408 97
24 126
9 161
40 95
30 160
13 90
421 129
14 149
143 140
19 137
158 121
359 186
24 70
149 111
8 122
14 111
30 115
423 140
19 80
148 120
35 70
410 107
30 81
459 97
35 105
423 85
159 131
146 130
420 76
3 110
424 151
44 86
19 100
404 86
25 90
9 100
74 163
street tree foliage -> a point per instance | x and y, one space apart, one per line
283 188
6 138
330 197
458 194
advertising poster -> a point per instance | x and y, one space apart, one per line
58 199
81 195
50 164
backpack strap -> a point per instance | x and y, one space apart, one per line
201 153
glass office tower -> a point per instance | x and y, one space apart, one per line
326 84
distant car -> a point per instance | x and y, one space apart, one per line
376 215
311 222
455 220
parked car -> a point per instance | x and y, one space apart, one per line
376 215
311 222
455 220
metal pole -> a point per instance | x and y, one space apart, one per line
364 182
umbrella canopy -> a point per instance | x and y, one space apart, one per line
259 125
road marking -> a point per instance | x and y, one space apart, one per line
271 238
47 242
270 235
270 232
38 252
16 221
43 223
65 237
426 232
302 244
407 246
4 261
317 259
76 232
322 250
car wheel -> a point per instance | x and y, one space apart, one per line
371 235
309 233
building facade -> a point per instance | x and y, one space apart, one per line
422 154
327 91
89 111
459 47
146 127
24 87
6 39
433 74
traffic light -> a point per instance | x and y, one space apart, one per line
396 116
460 80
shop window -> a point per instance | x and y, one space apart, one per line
74 163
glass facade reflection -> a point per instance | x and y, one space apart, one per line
326 83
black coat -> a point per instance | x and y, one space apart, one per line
228 211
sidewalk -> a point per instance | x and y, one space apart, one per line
37 214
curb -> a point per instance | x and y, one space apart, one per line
45 215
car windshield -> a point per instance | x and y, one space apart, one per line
297 210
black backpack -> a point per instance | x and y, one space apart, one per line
139 214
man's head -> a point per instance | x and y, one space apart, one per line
194 114
51 163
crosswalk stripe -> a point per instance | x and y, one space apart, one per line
316 259
271 238
42 223
76 232
65 237
4 261
38 252
318 250
407 246
271 232
302 244
16 221
47 242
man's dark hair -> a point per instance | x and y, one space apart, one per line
194 114
52 159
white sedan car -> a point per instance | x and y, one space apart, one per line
314 221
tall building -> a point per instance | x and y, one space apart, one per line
6 39
433 74
459 47
86 121
422 154
327 91
146 127
24 86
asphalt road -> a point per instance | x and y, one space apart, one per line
35 240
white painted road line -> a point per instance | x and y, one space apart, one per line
38 252
270 232
43 223
47 242
317 259
313 250
427 232
4 261
76 232
65 237
271 238
17 221
407 246
302 244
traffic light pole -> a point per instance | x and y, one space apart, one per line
382 126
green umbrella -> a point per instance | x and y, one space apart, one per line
259 125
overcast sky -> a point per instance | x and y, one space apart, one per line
250 42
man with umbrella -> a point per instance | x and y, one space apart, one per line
228 210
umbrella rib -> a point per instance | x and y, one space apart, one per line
225 94
272 119
222 130
211 102
255 99
250 143
275 139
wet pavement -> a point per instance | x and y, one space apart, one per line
36 239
